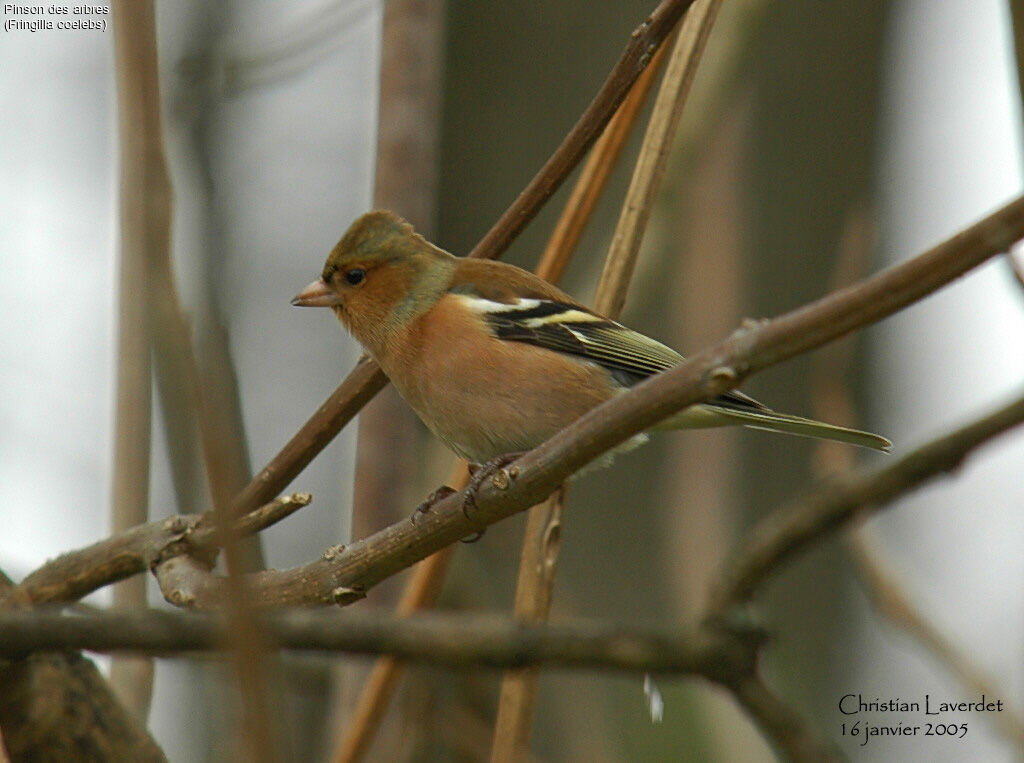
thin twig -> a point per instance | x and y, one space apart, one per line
594 177
538 562
650 165
788 531
784 728
145 192
75 574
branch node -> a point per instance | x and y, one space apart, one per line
180 598
180 524
502 479
333 551
343 595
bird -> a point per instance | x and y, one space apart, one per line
495 360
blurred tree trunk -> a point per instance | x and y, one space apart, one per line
811 159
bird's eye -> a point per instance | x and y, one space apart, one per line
355 276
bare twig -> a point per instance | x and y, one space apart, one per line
538 562
594 177
145 192
71 576
784 728
650 165
837 501
362 383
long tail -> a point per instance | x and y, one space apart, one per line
783 422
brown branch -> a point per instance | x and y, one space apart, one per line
538 563
75 574
848 496
145 221
594 177
364 381
347 574
454 640
784 728
650 165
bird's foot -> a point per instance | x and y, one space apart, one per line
494 470
438 495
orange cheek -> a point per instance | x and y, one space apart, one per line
368 311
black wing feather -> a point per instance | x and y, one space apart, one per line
630 357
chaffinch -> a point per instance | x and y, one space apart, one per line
495 360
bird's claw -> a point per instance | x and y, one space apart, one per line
480 473
438 495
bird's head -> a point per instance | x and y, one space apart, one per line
380 276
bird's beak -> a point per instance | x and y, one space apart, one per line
317 294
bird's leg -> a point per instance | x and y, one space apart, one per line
438 495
